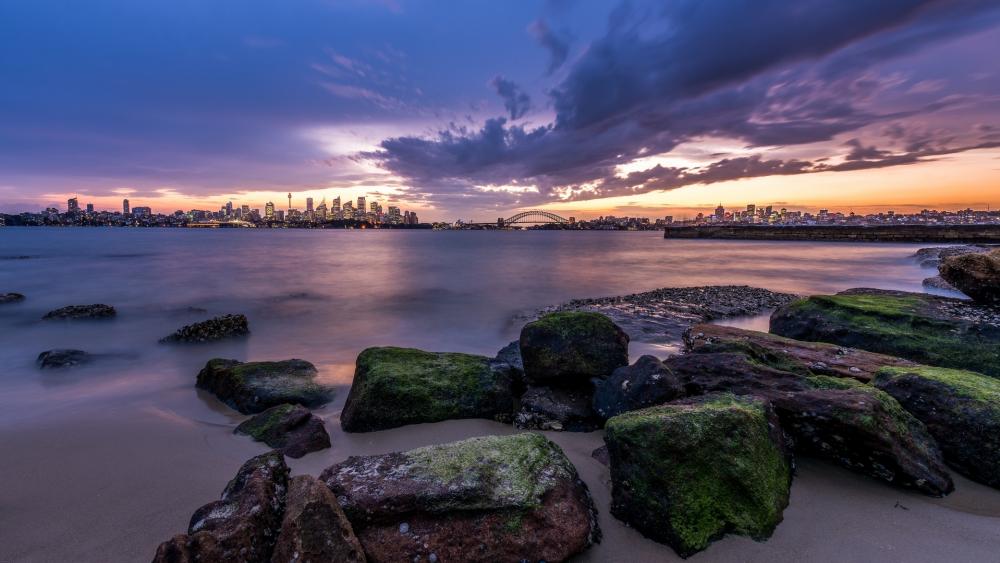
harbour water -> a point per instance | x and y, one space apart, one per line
102 462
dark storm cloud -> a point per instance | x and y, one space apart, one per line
761 71
515 100
556 45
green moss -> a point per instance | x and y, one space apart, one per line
266 422
687 473
512 471
828 382
398 386
759 355
568 323
964 383
898 325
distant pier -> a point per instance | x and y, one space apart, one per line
846 233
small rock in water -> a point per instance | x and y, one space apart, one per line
96 311
225 326
10 298
404 528
52 359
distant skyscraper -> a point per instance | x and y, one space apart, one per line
73 205
246 211
309 205
335 206
125 207
361 205
90 208
720 212
269 211
229 209
751 209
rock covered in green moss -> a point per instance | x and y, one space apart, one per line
218 328
398 386
960 408
252 387
645 383
838 419
243 525
689 472
924 328
571 347
314 528
808 358
976 275
291 429
493 498
75 312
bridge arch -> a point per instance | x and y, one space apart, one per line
535 216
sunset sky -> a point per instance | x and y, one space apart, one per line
474 109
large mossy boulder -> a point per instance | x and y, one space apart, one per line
809 358
217 328
493 498
398 386
689 472
976 275
243 525
838 419
290 429
571 347
924 328
645 383
314 528
253 387
960 408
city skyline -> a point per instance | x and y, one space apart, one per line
585 109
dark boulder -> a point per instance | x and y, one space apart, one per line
569 348
55 359
553 408
806 358
960 408
72 312
645 383
976 275
511 355
937 282
314 528
253 387
218 328
243 525
923 328
290 429
398 386
494 498
839 419
689 472
931 257
10 298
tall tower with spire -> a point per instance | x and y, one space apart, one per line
289 201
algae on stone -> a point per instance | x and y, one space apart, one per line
961 409
398 386
253 387
688 472
571 347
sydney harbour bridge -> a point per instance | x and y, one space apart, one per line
529 217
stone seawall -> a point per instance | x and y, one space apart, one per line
886 233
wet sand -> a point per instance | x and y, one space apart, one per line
111 485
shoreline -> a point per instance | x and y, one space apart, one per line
936 234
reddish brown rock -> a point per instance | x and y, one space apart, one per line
243 525
314 527
494 498
291 429
976 275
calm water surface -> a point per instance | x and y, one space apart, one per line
326 295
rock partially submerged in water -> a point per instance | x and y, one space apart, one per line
645 383
62 358
924 328
398 386
960 408
243 525
937 282
72 312
976 275
10 298
553 408
689 472
932 257
839 419
494 498
218 328
253 387
290 429
807 358
569 348
314 527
